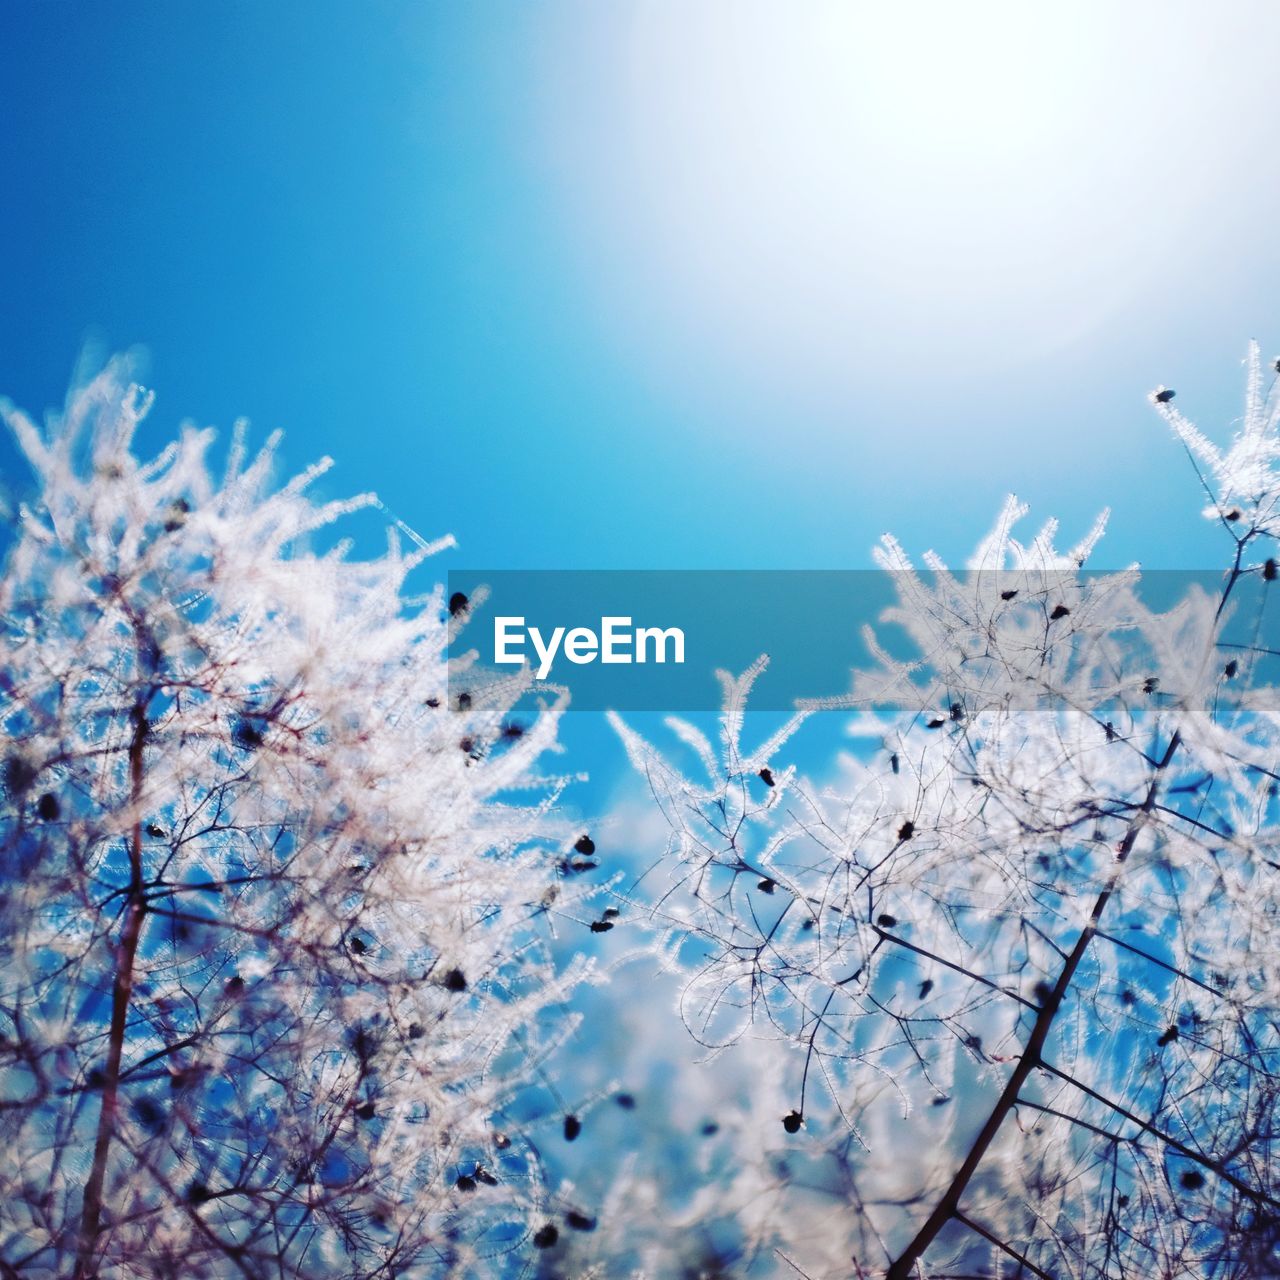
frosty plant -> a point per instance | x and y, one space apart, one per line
1025 948
272 977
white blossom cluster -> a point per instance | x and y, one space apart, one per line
273 962
281 992
1024 947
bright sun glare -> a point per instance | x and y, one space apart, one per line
1009 171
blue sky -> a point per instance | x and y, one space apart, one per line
663 285
656 286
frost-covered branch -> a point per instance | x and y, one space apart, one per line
275 968
1057 753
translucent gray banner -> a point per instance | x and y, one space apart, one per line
652 640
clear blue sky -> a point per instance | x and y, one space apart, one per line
611 285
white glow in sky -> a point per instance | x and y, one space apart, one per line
830 187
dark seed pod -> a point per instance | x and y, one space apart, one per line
1008 595
198 1193
601 926
710 1129
792 1121
935 723
156 833
925 987
572 1127
585 845
579 1221
433 703
1233 514
465 1182
363 1043
1059 611
611 913
464 701
149 1113
957 711
626 1101
501 1141
457 603
1269 570
455 980
483 1175
940 1101
1042 992
894 762
1231 669
1168 1036
766 885
358 945
766 776
234 985
545 1237
1111 732
1192 1179
1164 395
179 509
48 808
511 730
885 920
19 774
365 1111
1150 684
907 830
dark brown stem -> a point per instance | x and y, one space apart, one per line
122 990
948 1207
1190 1153
978 1229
